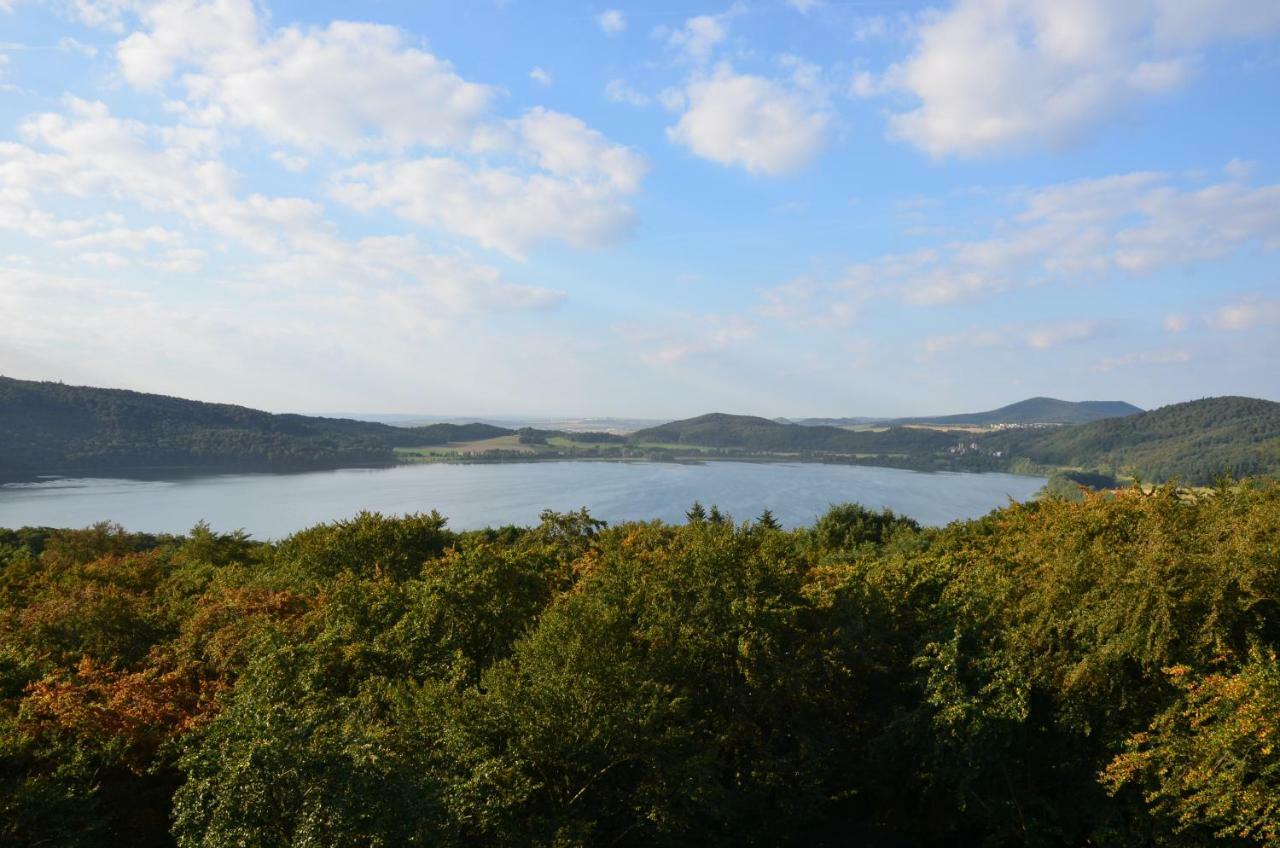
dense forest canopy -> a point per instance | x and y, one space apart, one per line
1094 672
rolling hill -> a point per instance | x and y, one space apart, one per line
1194 441
1036 410
752 433
51 428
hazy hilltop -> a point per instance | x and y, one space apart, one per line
1036 410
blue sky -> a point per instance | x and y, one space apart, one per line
782 207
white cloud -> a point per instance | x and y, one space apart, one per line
577 194
1176 323
750 121
104 14
124 238
804 7
540 76
700 36
1130 224
182 261
864 84
805 304
348 86
401 264
996 74
291 162
71 45
618 91
870 28
1035 337
357 88
1240 169
105 259
612 21
1148 357
715 334
91 153
971 338
1247 314
1053 335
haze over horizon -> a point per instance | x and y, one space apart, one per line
781 207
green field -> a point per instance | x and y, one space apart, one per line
455 449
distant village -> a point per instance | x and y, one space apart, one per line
963 448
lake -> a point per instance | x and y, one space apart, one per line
270 506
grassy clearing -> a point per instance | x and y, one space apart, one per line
674 446
499 443
567 442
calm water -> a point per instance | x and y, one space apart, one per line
270 506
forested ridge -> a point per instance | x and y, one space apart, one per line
1101 672
1195 441
49 428
761 434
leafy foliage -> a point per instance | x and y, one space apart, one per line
1093 672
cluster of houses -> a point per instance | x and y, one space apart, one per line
972 447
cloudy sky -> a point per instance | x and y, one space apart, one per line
537 207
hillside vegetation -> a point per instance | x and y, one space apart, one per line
748 432
1195 441
48 428
1101 672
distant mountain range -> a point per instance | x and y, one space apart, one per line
1036 410
50 428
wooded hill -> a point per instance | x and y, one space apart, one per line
748 432
1036 410
1195 441
51 428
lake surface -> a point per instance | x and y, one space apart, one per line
270 506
